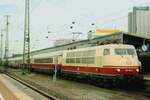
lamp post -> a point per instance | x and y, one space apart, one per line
72 27
75 34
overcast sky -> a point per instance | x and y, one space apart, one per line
57 16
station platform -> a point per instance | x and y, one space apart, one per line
9 91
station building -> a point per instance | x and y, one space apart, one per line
139 21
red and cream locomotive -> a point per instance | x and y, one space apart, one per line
111 62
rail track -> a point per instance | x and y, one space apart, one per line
46 95
144 91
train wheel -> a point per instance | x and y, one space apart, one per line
100 82
105 83
115 82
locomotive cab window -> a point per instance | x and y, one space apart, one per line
131 51
106 52
124 51
120 51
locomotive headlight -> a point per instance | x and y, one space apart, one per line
118 70
137 70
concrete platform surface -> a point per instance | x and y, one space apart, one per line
9 91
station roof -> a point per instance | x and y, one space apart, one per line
120 33
127 37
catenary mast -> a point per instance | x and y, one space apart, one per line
6 41
26 47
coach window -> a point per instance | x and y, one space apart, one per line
106 52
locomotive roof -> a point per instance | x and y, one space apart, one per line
117 45
104 46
